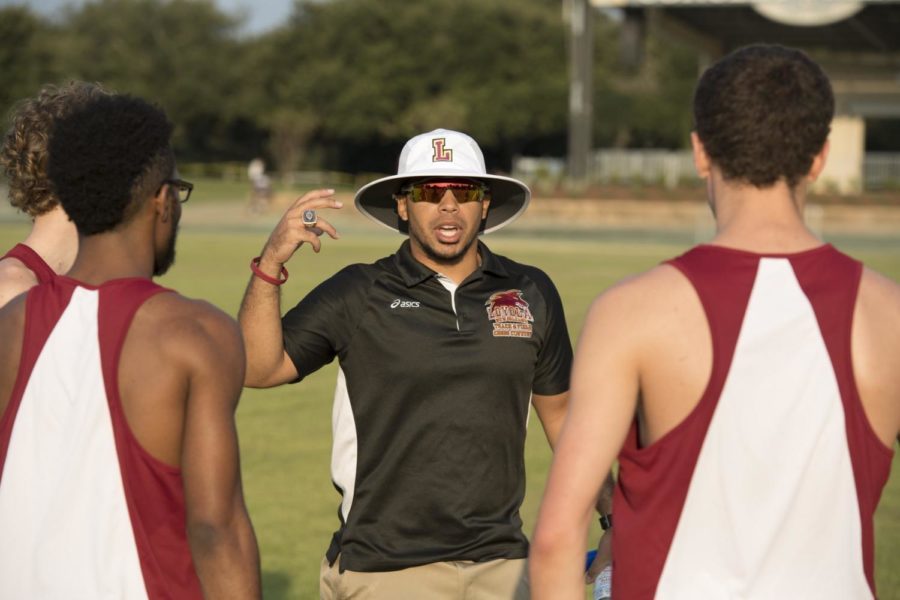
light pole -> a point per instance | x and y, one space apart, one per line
581 53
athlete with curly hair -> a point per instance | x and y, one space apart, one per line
50 247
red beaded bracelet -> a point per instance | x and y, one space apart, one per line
254 266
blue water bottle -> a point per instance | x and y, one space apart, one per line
603 582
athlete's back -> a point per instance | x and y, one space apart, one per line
757 407
748 387
752 435
120 474
91 454
76 488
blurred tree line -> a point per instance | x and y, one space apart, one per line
342 84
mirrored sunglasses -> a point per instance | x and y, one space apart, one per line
433 191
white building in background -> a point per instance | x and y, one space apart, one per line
857 43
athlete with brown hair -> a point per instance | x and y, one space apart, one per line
749 386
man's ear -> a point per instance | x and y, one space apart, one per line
701 159
818 163
485 205
161 203
402 208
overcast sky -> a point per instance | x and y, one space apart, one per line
261 14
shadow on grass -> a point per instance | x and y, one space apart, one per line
276 585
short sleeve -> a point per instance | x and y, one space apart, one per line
554 364
323 322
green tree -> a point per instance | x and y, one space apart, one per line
179 53
645 105
372 73
342 84
27 55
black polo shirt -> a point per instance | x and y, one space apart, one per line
431 403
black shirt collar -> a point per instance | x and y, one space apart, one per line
414 272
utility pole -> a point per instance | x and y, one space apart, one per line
581 54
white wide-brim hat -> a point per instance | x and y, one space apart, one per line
442 153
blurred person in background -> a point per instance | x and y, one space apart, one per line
748 386
260 186
119 468
442 347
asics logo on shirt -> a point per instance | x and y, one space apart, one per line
398 303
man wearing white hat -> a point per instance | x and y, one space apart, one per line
441 347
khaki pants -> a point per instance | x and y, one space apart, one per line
459 580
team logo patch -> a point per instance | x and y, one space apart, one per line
441 152
510 314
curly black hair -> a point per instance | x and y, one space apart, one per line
763 113
23 155
107 157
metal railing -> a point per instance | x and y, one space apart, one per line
881 171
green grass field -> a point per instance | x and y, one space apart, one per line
286 432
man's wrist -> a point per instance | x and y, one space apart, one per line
275 275
606 521
269 265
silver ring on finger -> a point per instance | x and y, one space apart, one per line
309 217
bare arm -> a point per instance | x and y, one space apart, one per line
876 336
552 411
221 536
15 279
604 398
268 364
604 545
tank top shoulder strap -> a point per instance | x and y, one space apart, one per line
119 302
33 261
723 280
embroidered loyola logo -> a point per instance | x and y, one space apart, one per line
441 152
510 313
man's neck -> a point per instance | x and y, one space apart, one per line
761 220
54 238
456 270
115 254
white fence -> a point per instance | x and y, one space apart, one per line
671 168
656 167
881 170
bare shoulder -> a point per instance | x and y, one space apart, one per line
646 297
640 322
875 345
879 302
878 288
15 279
192 328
